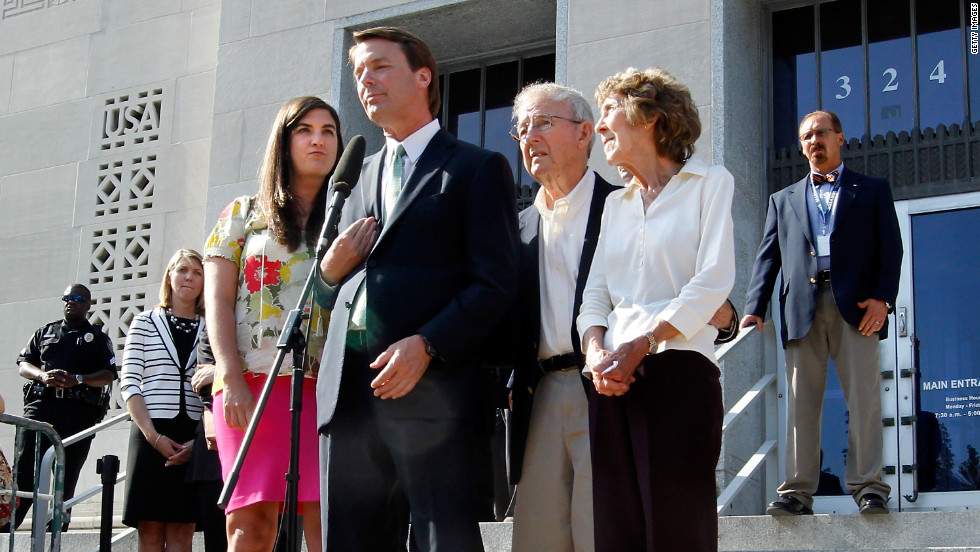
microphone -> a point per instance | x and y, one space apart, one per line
349 167
344 179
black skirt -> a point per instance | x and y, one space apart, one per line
155 492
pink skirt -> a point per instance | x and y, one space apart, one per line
262 477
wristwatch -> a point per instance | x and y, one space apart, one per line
652 341
78 378
429 348
889 306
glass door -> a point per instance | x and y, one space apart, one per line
937 354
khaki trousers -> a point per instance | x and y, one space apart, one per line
856 359
553 505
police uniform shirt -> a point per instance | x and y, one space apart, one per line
82 349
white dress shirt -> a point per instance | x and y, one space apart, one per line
560 237
829 194
414 145
675 262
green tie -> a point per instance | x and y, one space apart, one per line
393 189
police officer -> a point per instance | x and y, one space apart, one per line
69 364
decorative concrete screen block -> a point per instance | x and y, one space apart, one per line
125 184
132 120
115 309
124 253
17 7
120 254
137 118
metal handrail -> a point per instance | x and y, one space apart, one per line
763 389
725 348
56 451
118 538
71 440
55 456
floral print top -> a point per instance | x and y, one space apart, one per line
270 280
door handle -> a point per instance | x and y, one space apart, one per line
903 328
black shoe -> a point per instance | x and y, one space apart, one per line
788 506
872 504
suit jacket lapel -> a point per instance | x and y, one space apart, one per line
433 158
370 189
163 328
599 193
845 197
530 226
797 199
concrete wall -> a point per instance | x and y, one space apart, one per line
105 114
741 123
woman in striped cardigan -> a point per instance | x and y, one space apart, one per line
158 362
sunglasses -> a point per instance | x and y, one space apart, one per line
74 299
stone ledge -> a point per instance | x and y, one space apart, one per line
896 532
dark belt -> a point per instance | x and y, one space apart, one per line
561 362
77 392
823 276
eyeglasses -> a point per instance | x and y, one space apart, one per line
541 122
818 133
74 299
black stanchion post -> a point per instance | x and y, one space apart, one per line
108 467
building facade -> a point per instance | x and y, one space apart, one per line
127 126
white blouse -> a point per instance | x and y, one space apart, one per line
675 262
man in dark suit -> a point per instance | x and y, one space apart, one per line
835 236
396 392
549 444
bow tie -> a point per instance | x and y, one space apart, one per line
819 179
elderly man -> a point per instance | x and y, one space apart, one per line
835 236
396 395
549 444
69 364
550 457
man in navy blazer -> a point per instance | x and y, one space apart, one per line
835 236
396 395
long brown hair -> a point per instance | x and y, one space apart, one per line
273 201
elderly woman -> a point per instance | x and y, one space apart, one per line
663 265
158 362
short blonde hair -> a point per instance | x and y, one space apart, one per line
654 95
166 293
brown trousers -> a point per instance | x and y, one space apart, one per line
856 359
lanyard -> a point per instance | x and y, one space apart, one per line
824 210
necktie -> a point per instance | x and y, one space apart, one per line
830 177
392 189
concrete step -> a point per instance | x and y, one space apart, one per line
893 532
896 532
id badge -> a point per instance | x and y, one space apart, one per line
823 246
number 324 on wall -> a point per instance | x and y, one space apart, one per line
938 74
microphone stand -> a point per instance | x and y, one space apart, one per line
291 340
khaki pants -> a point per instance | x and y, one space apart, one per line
856 359
553 506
